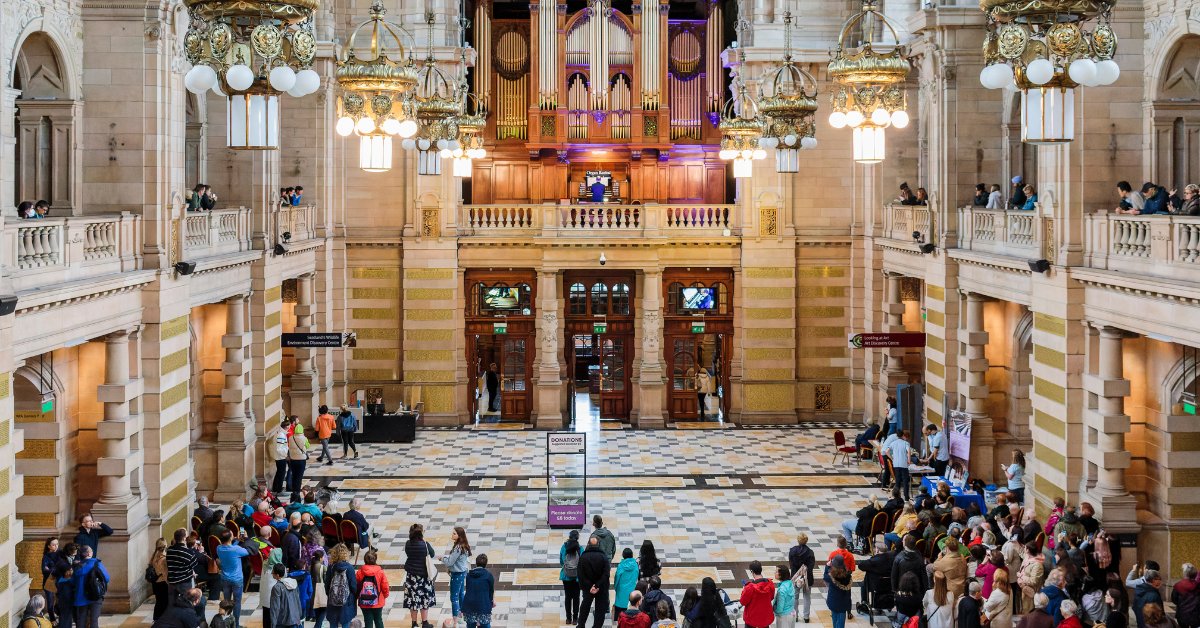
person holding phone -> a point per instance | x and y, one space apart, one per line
1015 473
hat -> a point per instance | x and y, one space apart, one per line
1017 180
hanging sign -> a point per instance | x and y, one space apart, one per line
886 340
319 340
599 328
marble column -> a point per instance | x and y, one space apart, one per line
1116 507
548 386
235 432
651 380
894 372
304 379
983 439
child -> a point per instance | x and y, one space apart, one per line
224 618
785 598
479 595
286 611
663 610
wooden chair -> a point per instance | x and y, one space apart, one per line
256 563
920 547
879 525
232 526
212 544
196 523
349 535
276 537
895 517
933 547
840 448
891 471
1040 539
945 519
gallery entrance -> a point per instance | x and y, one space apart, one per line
599 347
698 337
500 345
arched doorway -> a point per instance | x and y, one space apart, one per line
47 153
1175 142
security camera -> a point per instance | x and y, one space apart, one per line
917 236
603 260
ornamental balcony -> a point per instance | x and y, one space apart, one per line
594 221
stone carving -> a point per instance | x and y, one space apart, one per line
823 397
430 222
652 334
767 221
550 336
1157 28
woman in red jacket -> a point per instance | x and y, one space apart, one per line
373 590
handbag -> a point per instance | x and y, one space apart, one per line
431 571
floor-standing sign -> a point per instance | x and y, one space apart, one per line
959 440
566 479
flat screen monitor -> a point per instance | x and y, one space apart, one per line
500 299
698 299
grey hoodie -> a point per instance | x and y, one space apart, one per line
608 542
285 603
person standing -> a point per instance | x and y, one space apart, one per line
278 450
479 595
901 454
286 610
297 458
632 616
325 425
1186 597
802 562
373 590
156 573
1146 592
758 593
939 451
341 589
229 560
593 582
608 541
491 380
998 606
347 426
969 607
568 560
457 563
892 425
624 581
418 582
784 604
91 586
1015 473
837 591
49 560
648 563
90 533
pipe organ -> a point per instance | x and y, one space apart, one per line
633 93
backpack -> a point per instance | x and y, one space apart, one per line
1103 553
571 565
339 589
800 580
346 423
151 574
1049 530
368 592
96 585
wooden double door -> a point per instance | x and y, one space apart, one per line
512 353
600 364
698 368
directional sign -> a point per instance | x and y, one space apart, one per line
500 328
886 340
599 328
697 327
319 340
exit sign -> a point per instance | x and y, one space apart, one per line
500 328
1189 408
599 328
698 327
48 406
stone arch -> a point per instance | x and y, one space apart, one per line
1175 113
1019 403
1183 375
58 42
1018 157
50 488
46 152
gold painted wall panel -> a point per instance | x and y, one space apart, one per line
174 463
768 374
273 319
935 293
171 498
762 292
5 529
1049 424
769 333
935 343
5 571
1185 478
177 520
823 331
429 315
175 361
38 520
429 355
374 273
1185 545
1050 391
768 354
274 294
173 429
935 368
5 385
273 371
1050 324
1185 511
764 313
429 273
821 271
274 345
34 416
1050 457
1050 357
40 485
5 432
376 354
37 449
818 292
1185 441
378 333
822 372
823 352
770 397
360 375
822 311
429 294
375 293
174 327
935 317
428 376
5 481
273 396
173 395
438 335
933 416
767 273
934 392
438 398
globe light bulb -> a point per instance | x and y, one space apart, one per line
1039 71
880 117
837 120
424 144
239 77
808 142
282 78
308 81
408 144
408 128
391 126
1005 75
365 126
746 154
789 139
1083 71
1107 72
760 154
443 144
445 153
727 153
345 126
900 119
190 80
854 118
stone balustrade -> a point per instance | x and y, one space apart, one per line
52 251
550 220
1155 245
299 220
216 232
1016 233
900 221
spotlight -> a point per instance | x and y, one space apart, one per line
1039 265
917 236
287 236
603 260
185 268
280 249
8 304
928 248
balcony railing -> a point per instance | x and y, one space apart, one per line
1155 245
216 232
900 221
599 220
300 221
53 251
1006 232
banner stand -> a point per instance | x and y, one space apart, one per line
566 479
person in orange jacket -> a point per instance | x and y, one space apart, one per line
373 590
758 597
842 551
325 424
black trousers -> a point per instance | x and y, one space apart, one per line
162 599
601 601
348 443
571 601
281 471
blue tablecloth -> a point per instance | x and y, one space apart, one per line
962 498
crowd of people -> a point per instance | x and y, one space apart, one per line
291 195
201 198
1156 199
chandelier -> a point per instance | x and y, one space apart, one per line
375 101
1043 49
871 75
437 105
790 106
250 52
468 145
741 129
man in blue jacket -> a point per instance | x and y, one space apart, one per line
1156 199
87 598
1055 593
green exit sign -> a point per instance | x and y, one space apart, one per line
48 406
599 328
500 328
1189 408
698 328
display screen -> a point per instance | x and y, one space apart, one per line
698 298
500 299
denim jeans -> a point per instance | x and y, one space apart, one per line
296 477
839 619
848 527
325 455
231 590
458 581
281 471
88 616
805 596
903 481
479 623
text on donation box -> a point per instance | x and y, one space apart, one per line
565 443
567 514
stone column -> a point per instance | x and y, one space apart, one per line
651 380
1116 507
235 433
304 379
548 381
113 467
894 373
983 441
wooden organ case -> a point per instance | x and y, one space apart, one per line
636 94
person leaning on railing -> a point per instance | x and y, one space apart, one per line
1189 204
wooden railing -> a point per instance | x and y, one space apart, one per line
216 232
1007 232
53 251
550 219
1156 245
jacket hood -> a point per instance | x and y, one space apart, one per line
288 583
592 548
1069 517
632 611
654 595
475 573
371 570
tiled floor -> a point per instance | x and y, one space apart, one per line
710 500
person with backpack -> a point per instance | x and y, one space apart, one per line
347 426
757 596
325 425
277 449
91 587
624 581
64 580
341 588
568 559
479 595
229 561
802 561
297 458
373 590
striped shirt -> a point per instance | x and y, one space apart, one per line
181 564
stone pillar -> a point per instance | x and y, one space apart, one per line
983 441
894 373
235 433
1114 504
114 432
651 380
549 384
304 379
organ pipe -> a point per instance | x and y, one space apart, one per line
650 60
483 63
547 54
598 53
713 74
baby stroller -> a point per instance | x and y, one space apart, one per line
733 609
